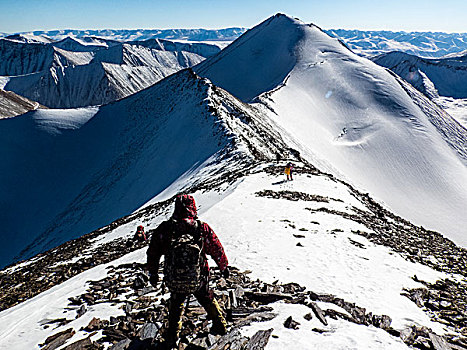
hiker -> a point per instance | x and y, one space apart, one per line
185 241
288 171
140 236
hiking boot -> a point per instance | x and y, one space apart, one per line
219 324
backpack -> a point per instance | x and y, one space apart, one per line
184 261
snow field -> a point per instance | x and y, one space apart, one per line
257 238
338 335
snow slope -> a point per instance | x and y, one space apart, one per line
18 58
28 38
457 108
345 111
119 147
448 75
87 45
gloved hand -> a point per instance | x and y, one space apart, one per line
153 279
226 272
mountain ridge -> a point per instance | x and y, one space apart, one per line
344 110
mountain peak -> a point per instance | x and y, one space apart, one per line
264 56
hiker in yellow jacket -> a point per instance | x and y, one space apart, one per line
288 171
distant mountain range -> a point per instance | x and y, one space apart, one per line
366 43
227 34
424 44
443 80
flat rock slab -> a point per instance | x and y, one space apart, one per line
259 340
55 341
438 342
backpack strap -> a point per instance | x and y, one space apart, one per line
199 227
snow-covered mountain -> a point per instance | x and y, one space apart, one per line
18 58
28 38
321 264
434 77
314 233
94 73
87 44
442 80
12 104
424 44
353 117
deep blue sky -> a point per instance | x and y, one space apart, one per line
408 15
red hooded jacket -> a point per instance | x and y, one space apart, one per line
184 218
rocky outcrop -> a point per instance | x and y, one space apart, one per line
244 301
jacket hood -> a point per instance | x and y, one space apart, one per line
185 208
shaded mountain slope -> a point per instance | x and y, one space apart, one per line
93 165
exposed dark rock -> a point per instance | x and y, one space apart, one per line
318 312
292 196
438 342
445 299
55 341
383 321
121 345
148 331
408 335
232 341
96 324
259 340
82 309
319 330
83 344
291 323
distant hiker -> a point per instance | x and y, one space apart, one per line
185 241
140 236
288 171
